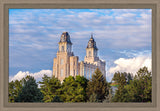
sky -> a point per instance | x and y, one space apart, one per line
123 37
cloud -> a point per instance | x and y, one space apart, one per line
131 65
131 25
37 32
37 75
134 53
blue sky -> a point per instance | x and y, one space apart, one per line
123 37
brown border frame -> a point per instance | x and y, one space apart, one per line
124 4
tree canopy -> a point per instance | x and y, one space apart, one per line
29 92
49 87
137 89
97 86
130 88
73 89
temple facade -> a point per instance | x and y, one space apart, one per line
66 64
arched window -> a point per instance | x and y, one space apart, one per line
61 72
61 61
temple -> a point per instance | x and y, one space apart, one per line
66 64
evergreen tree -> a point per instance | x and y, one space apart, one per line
57 99
93 98
29 92
108 99
14 88
72 91
83 82
11 94
140 89
129 78
98 86
121 79
49 88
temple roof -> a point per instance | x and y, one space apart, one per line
92 43
65 37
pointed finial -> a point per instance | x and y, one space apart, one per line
91 35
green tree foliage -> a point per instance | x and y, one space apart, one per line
83 83
57 99
79 89
15 88
98 86
121 79
49 88
11 93
29 92
93 98
129 78
72 89
108 99
138 89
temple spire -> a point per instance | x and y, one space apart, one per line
91 35
92 43
65 37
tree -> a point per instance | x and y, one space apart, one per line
29 92
140 89
93 98
83 82
129 78
98 86
57 99
121 79
49 87
15 88
108 99
72 91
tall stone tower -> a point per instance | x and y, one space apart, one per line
65 44
91 60
65 64
91 51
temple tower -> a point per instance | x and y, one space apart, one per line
91 51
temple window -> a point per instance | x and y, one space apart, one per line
61 61
62 48
89 53
61 72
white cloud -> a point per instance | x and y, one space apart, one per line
132 25
131 65
32 30
37 75
135 53
85 15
